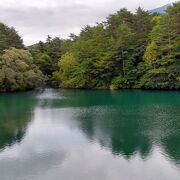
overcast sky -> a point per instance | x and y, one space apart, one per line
35 19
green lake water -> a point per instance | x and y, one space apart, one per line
90 135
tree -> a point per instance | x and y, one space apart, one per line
18 71
47 54
163 52
71 75
150 55
9 38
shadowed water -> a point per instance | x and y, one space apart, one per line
90 135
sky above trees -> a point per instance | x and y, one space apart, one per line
35 19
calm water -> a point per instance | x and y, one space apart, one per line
90 135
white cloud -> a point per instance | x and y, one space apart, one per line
35 19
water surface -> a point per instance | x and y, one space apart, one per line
90 135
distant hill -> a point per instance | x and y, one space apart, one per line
161 9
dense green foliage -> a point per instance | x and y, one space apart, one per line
17 68
9 38
140 50
18 72
162 55
48 54
128 50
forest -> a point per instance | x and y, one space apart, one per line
138 50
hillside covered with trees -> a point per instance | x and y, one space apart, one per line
128 50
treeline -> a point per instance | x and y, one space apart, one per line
128 50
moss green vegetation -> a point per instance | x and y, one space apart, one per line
9 38
18 72
128 50
17 68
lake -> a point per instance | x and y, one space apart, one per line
90 135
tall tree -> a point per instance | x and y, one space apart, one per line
9 38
